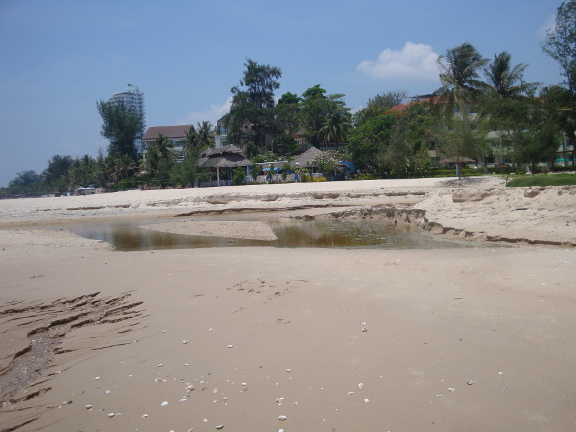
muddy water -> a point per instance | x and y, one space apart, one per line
128 236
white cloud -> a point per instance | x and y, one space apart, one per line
212 115
413 62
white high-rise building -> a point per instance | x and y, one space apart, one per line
133 98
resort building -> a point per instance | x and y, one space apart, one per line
175 134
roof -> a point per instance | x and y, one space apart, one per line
306 157
230 148
228 156
173 132
419 99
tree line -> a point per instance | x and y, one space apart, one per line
477 95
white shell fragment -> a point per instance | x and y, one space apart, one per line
360 386
184 341
230 346
164 403
88 406
282 418
145 416
364 329
111 415
469 382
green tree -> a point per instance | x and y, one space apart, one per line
313 111
558 102
379 104
324 118
459 74
412 138
26 183
83 171
186 172
121 125
369 141
238 176
126 165
507 81
288 119
56 175
560 45
107 170
158 160
165 148
533 133
459 141
251 116
205 133
191 144
461 87
336 125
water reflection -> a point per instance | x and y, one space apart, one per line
128 236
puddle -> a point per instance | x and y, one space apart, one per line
128 236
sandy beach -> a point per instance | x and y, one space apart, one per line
294 339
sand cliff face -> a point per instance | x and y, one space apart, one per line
264 339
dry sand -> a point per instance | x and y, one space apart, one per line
334 340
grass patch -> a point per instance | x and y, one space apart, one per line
544 180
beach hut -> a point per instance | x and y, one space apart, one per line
226 158
306 158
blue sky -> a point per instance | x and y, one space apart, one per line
59 57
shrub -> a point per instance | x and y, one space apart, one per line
238 176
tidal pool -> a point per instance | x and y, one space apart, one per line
291 233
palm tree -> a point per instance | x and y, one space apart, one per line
191 140
126 164
507 81
164 148
205 134
459 75
335 128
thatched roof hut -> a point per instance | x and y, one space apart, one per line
229 156
307 157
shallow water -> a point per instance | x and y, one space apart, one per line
128 236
